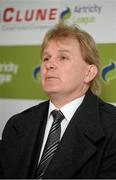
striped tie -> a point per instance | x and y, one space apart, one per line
51 144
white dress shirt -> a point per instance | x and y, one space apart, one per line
68 111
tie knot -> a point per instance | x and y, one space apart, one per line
57 115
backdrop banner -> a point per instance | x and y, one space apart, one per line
22 28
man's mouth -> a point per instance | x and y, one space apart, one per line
51 77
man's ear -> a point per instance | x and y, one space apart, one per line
91 73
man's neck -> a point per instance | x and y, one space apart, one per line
59 102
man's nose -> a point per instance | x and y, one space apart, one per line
51 64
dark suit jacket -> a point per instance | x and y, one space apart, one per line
87 149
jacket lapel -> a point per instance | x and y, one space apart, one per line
77 144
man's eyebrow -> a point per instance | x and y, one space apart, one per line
64 50
45 53
60 50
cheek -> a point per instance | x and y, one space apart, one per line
75 74
42 70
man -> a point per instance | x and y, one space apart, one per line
87 145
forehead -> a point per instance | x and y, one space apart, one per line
66 43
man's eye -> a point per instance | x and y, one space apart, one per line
45 59
63 57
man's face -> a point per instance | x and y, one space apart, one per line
63 70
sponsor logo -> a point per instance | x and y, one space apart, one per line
11 14
93 8
108 72
18 18
81 14
7 72
36 73
65 14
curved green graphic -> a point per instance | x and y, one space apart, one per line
66 14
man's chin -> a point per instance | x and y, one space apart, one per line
51 92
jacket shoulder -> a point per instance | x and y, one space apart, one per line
26 113
107 107
26 118
107 113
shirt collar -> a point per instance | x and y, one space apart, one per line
69 109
